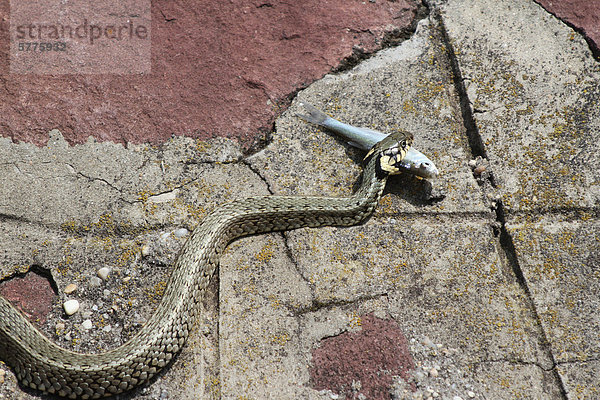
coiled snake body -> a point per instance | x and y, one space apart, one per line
42 365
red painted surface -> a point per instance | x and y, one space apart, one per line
371 356
32 294
219 68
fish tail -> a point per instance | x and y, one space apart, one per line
314 116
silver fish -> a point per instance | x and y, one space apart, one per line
414 162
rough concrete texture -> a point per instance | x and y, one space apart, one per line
218 69
488 272
583 15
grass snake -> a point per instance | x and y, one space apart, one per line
40 364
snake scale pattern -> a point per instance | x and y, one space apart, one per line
42 365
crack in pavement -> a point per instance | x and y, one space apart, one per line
515 362
478 149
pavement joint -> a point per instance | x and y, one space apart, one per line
473 136
515 362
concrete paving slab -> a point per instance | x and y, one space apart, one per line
559 257
534 93
533 89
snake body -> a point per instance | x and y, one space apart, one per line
42 365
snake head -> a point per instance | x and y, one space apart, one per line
390 151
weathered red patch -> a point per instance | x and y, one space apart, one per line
217 69
369 358
32 294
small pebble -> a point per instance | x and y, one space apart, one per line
181 232
2 373
71 287
479 169
95 281
71 306
126 279
472 163
87 324
107 328
433 372
60 326
103 273
429 343
457 398
86 314
95 307
145 250
106 292
471 394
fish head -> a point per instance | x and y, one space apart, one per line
419 164
427 169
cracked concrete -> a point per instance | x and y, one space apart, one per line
489 273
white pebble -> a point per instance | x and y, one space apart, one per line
95 281
433 372
60 326
126 279
472 163
106 292
429 343
71 306
107 328
457 398
103 273
87 324
145 250
71 287
181 232
471 394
